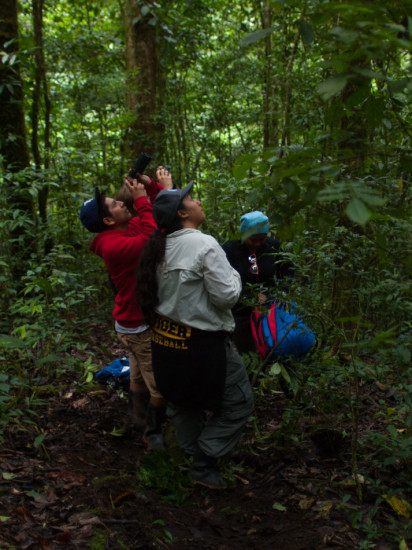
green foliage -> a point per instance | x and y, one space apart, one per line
160 534
167 474
331 84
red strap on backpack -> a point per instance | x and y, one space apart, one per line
256 318
263 325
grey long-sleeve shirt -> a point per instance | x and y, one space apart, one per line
196 284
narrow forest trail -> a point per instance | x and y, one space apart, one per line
84 487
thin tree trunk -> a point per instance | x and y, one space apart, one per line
287 95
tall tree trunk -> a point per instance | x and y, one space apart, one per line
142 74
40 85
13 145
287 93
270 125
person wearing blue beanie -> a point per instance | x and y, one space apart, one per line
255 223
259 261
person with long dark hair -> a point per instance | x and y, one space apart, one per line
186 290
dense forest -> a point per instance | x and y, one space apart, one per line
299 108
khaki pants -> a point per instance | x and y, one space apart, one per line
140 359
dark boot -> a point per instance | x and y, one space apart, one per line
153 435
137 407
204 471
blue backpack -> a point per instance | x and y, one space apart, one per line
116 374
281 332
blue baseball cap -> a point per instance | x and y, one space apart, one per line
91 213
253 223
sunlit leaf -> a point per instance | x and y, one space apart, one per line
402 507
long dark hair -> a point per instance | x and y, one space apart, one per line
153 254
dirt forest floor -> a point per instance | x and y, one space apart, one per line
84 487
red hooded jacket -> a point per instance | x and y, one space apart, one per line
120 251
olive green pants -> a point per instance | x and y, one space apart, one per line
216 434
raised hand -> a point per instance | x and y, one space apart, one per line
164 177
137 189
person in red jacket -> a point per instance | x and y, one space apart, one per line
119 243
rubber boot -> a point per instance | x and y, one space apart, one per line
204 471
153 435
137 407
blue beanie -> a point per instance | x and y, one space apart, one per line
253 223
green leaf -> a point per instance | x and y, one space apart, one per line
275 369
306 32
255 36
353 319
285 374
8 476
44 284
372 199
242 166
332 86
392 430
345 35
374 109
404 354
279 507
51 358
39 440
357 211
406 162
10 342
